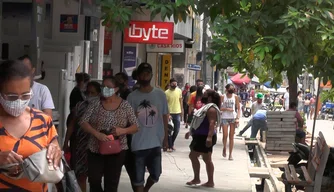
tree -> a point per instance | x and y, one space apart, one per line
117 13
264 37
269 37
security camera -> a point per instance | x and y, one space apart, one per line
189 42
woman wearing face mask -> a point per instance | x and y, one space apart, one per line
24 131
111 114
230 106
76 140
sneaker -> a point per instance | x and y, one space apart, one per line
239 134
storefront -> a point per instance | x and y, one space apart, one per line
164 54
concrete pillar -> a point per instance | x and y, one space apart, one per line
116 51
37 29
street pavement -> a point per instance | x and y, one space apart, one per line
325 126
177 170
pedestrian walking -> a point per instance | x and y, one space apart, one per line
185 98
108 119
230 106
76 139
150 105
204 137
24 130
175 106
41 99
129 162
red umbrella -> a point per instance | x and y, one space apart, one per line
240 79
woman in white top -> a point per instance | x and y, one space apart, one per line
230 106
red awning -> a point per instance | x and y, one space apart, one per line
328 85
240 79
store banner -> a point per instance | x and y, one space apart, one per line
129 62
176 47
166 70
68 23
149 32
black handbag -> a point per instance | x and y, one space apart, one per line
69 182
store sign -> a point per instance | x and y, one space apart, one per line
194 67
176 47
149 32
165 70
129 62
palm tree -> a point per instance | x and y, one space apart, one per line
145 105
152 113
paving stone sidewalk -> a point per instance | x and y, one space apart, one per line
177 170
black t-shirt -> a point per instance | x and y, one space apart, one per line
75 97
124 95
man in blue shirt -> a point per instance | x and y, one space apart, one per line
259 123
151 108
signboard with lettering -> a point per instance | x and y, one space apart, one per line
176 47
129 62
194 67
149 32
165 70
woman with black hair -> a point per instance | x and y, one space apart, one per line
23 130
190 108
77 94
205 137
230 107
105 119
76 140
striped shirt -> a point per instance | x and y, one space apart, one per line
39 135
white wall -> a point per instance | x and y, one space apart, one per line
16 27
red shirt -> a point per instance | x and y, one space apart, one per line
298 117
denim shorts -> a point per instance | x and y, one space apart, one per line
150 158
227 121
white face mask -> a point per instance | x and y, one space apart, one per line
90 99
14 108
108 92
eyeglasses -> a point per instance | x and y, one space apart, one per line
14 97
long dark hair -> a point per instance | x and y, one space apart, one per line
192 89
199 92
214 96
96 85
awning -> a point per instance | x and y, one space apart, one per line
328 85
255 79
268 84
240 79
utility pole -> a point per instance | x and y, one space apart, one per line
204 41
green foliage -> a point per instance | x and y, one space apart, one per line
327 95
268 37
117 13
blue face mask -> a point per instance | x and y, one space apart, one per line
108 92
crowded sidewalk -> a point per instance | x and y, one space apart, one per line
177 170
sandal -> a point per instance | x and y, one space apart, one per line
193 183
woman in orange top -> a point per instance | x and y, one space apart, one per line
23 130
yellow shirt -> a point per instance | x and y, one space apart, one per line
173 99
